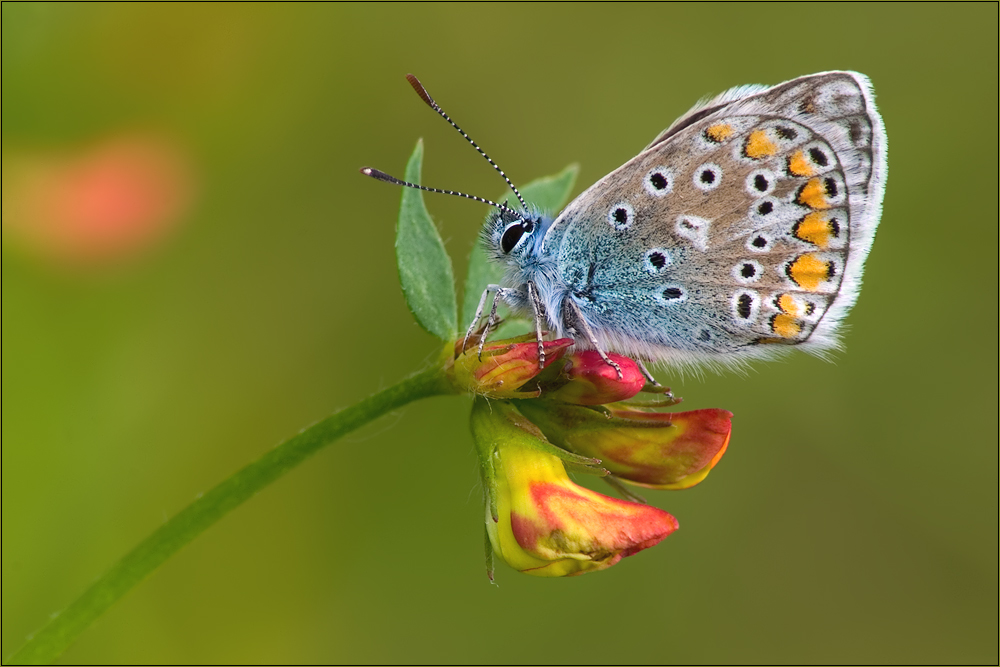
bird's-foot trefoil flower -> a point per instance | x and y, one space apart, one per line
531 424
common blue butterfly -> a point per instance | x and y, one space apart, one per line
740 231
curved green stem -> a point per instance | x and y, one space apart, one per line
46 645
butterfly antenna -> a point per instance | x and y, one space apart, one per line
382 176
425 96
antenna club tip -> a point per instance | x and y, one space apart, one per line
380 175
420 90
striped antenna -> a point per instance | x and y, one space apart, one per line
382 176
425 96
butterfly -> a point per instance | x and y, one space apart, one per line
739 232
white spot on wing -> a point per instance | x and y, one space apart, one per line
694 229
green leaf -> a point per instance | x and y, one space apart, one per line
424 266
549 194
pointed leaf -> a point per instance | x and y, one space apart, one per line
424 267
549 194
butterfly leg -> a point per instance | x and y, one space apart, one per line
507 294
589 333
537 308
478 316
645 371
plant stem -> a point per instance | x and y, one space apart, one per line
46 645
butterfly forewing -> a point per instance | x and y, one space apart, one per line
735 230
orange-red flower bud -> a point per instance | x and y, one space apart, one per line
505 366
660 450
593 381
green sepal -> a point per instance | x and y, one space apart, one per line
495 422
667 400
489 554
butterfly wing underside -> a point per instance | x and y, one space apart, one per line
741 230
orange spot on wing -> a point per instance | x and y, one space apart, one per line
798 165
808 271
813 194
815 228
719 133
785 326
787 304
759 145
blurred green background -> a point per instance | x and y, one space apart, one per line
249 289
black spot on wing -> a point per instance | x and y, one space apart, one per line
786 132
744 306
818 156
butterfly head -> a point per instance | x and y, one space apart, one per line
513 236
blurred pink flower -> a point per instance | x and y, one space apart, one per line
109 202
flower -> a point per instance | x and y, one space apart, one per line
659 450
93 206
531 422
539 521
590 380
504 366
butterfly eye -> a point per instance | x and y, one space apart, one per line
511 236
